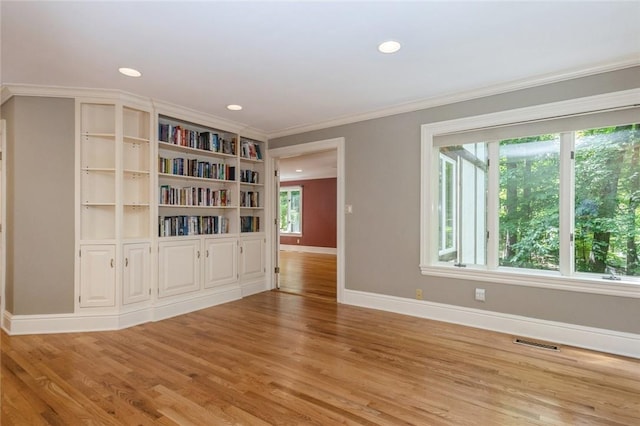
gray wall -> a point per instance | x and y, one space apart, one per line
382 158
40 205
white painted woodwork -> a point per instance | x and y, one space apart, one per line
220 264
252 255
136 280
178 267
97 275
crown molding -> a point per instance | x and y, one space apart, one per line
162 107
461 96
188 114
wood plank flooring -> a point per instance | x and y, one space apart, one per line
281 359
308 274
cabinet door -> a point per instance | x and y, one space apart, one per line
179 267
252 257
97 276
220 264
136 283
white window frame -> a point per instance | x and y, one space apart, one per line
429 264
289 190
443 234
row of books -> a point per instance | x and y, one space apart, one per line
207 141
249 199
195 168
249 224
249 176
172 226
192 196
250 149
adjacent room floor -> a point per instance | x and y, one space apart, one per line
308 274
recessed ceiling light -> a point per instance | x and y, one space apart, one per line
389 47
130 72
234 107
298 170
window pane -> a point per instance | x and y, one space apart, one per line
462 207
529 202
607 215
295 211
284 211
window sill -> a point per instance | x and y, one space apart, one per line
542 279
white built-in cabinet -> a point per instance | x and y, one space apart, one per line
252 257
179 267
170 210
136 280
220 262
114 213
98 276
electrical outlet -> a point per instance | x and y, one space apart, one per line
419 293
480 294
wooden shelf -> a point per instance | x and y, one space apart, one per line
194 151
180 206
193 178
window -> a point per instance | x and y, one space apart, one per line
291 210
546 202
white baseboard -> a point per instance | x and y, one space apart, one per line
84 321
615 342
253 287
172 308
309 249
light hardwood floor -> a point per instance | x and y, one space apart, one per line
278 358
308 274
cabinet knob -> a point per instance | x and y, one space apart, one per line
112 263
198 254
207 253
126 261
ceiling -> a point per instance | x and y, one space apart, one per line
299 65
318 165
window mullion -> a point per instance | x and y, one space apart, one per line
567 203
493 204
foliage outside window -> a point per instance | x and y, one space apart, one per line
605 217
291 210
545 196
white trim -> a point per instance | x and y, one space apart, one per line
161 107
598 339
251 288
307 148
436 101
90 321
428 218
309 249
9 90
3 215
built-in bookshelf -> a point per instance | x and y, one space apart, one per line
169 213
252 184
97 171
114 212
136 173
197 179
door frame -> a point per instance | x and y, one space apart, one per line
3 218
308 148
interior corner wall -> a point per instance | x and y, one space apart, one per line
40 205
319 201
382 235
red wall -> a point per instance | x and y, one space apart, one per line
318 213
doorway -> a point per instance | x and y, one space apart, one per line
305 260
